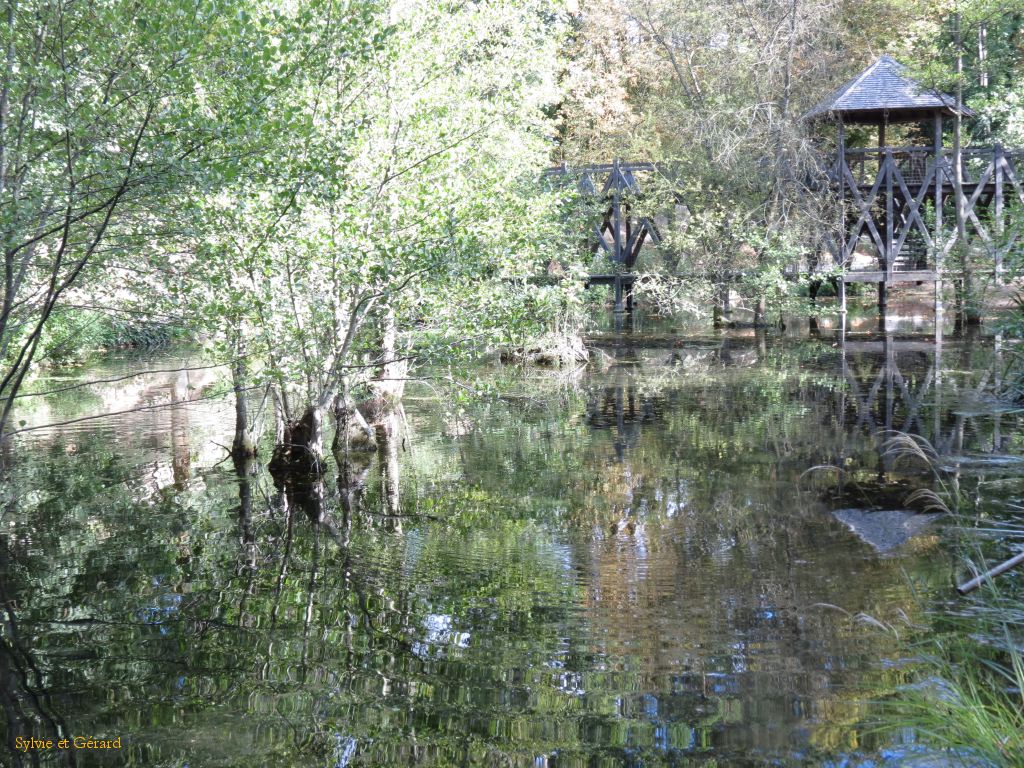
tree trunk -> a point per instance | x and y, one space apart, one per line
970 305
243 446
783 172
280 414
302 451
760 311
390 381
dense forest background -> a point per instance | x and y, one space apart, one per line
331 193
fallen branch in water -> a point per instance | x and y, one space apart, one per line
94 417
977 581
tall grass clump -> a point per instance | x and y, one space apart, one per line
74 334
970 699
970 702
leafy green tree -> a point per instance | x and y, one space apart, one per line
104 117
396 219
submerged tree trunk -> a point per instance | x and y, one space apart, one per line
243 446
181 455
245 468
352 433
354 429
389 440
302 450
353 471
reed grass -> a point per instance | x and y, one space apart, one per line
970 701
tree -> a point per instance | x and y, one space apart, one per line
240 272
717 92
105 117
395 220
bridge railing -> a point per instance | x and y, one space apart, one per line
889 191
865 164
914 163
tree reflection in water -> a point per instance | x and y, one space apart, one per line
627 572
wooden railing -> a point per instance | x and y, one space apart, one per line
864 164
914 162
889 191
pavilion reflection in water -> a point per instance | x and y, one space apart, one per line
944 389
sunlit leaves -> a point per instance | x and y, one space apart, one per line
393 168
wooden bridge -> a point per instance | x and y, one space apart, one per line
897 207
620 235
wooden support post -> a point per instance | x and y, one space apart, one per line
842 297
617 244
998 161
841 202
937 238
629 298
844 366
881 143
627 238
616 219
890 210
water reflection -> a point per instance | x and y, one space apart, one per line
631 569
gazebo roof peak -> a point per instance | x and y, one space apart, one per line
883 92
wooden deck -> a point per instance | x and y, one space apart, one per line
896 276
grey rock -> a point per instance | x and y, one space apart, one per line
885 530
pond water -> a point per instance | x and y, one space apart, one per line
629 566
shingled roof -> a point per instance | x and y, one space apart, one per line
884 87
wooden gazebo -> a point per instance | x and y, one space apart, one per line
885 235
